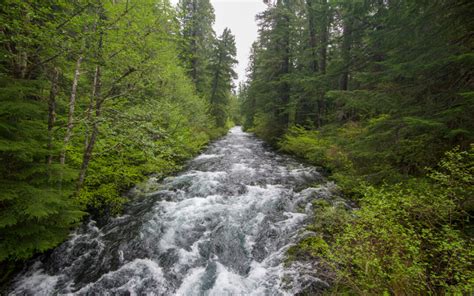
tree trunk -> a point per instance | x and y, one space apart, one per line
52 112
313 43
346 54
323 46
24 64
378 52
284 113
321 108
215 81
323 33
91 105
194 49
72 104
95 129
96 94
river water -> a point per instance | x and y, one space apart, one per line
221 227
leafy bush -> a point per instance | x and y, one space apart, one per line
305 144
127 157
264 128
319 149
405 239
314 148
456 175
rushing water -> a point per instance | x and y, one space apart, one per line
222 227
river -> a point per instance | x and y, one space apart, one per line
221 227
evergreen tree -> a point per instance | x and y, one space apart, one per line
271 66
376 92
196 18
221 69
36 211
322 62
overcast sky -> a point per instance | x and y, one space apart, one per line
239 16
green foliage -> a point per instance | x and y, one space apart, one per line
196 18
322 149
209 61
408 238
456 175
400 71
234 110
307 145
221 68
36 211
264 127
36 208
312 246
404 239
152 132
375 92
94 89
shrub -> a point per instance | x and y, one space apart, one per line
406 239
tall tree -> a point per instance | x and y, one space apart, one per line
132 94
221 69
272 65
196 18
379 91
35 213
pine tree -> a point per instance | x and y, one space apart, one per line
271 66
378 91
36 211
221 69
196 18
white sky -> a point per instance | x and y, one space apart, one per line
239 17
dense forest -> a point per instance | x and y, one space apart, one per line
380 94
95 96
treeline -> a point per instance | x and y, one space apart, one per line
96 95
380 93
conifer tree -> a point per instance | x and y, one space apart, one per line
221 69
196 18
376 92
36 211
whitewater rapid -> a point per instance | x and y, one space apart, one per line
221 227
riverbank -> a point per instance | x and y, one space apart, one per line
411 235
113 174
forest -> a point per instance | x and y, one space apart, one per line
97 96
380 95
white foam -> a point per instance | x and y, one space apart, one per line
182 217
207 156
191 283
229 283
129 278
37 282
207 217
243 168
